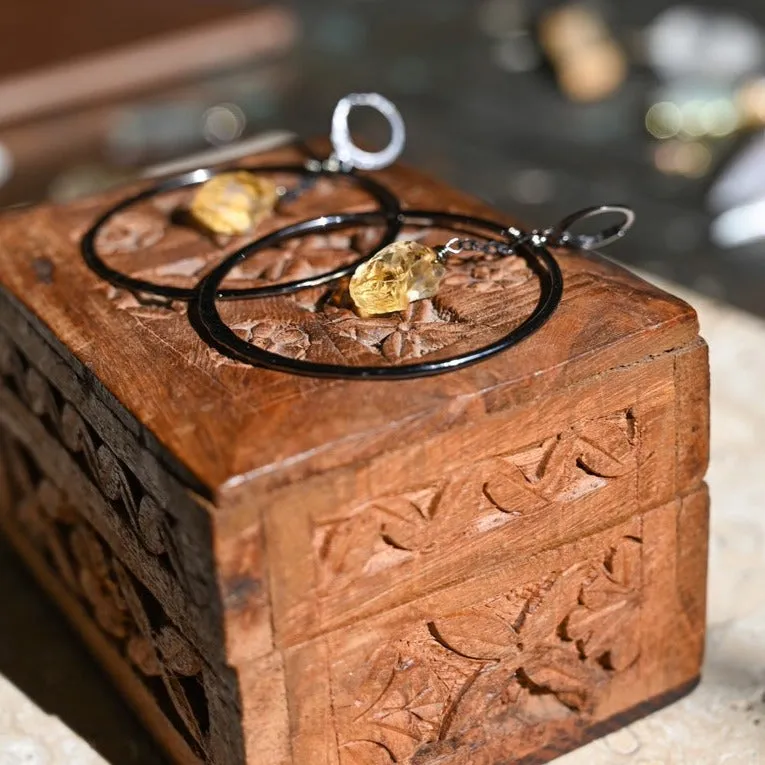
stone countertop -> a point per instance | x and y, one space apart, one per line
28 736
721 723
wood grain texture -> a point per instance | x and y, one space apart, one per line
507 661
497 562
608 318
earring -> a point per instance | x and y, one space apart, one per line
406 271
424 268
235 202
207 319
234 198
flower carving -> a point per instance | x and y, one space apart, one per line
471 304
487 274
533 657
132 230
402 336
298 259
283 339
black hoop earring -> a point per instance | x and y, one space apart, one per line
342 163
207 320
388 210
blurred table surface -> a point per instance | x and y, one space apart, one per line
722 721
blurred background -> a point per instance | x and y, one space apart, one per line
539 107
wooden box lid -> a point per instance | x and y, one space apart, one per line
222 426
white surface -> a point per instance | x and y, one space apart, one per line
30 737
723 721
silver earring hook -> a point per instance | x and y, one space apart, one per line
350 156
555 236
561 235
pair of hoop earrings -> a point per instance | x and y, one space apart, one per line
385 279
342 163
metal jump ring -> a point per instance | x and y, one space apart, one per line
351 156
560 234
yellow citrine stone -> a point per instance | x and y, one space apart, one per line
398 275
234 203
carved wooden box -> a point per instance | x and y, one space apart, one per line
483 567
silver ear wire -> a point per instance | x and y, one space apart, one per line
350 156
560 234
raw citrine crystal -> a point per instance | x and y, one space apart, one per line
234 203
398 275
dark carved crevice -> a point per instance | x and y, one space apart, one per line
48 519
119 487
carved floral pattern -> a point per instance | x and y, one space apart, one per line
304 257
114 480
157 241
391 530
473 303
405 335
530 659
128 612
481 298
132 230
486 273
298 259
115 598
284 339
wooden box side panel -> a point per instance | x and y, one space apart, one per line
350 543
516 665
124 549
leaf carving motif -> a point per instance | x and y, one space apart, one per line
517 662
605 623
580 460
391 530
366 753
381 534
482 636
